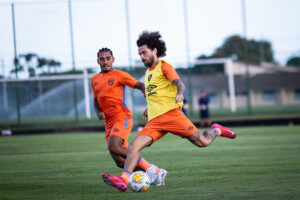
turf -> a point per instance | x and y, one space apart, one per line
261 163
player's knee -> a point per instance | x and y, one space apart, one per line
114 149
204 144
120 163
132 149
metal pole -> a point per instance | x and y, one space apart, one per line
73 59
129 52
16 67
86 93
4 87
189 80
246 58
231 85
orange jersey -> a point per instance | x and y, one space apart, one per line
109 90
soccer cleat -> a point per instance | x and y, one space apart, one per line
160 181
225 132
151 172
115 181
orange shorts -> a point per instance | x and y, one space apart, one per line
121 128
173 121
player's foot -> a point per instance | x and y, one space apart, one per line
225 132
160 181
115 181
152 173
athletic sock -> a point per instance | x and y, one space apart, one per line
125 175
143 163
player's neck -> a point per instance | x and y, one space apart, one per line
155 62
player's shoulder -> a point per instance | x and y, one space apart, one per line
165 63
95 76
120 72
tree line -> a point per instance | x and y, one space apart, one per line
35 65
258 51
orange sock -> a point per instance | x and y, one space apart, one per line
143 163
157 171
125 175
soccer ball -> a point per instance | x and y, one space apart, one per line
139 181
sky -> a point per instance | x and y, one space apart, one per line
42 27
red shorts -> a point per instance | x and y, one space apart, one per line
173 121
121 128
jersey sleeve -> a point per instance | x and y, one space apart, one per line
92 84
169 72
127 79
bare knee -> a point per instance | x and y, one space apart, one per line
132 149
119 162
115 149
198 139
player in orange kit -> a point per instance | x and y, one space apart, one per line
164 94
109 103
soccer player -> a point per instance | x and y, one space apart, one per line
203 103
164 95
109 103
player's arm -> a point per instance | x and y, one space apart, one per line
127 79
170 73
98 110
140 86
180 90
145 114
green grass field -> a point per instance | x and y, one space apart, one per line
261 163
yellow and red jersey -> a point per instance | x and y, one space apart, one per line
109 90
160 91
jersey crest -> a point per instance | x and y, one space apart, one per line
111 81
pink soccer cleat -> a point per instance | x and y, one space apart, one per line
225 132
115 181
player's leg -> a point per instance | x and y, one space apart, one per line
179 124
142 140
133 154
203 139
120 162
134 149
117 144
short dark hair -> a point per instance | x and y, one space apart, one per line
105 49
152 40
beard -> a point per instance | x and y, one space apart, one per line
149 63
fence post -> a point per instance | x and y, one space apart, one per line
86 94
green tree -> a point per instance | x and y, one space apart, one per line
294 61
42 62
29 63
18 67
258 51
53 64
33 62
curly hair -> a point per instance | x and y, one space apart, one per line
105 49
152 40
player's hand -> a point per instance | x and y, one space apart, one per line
101 116
145 115
179 98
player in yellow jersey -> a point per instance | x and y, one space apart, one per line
164 95
109 103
